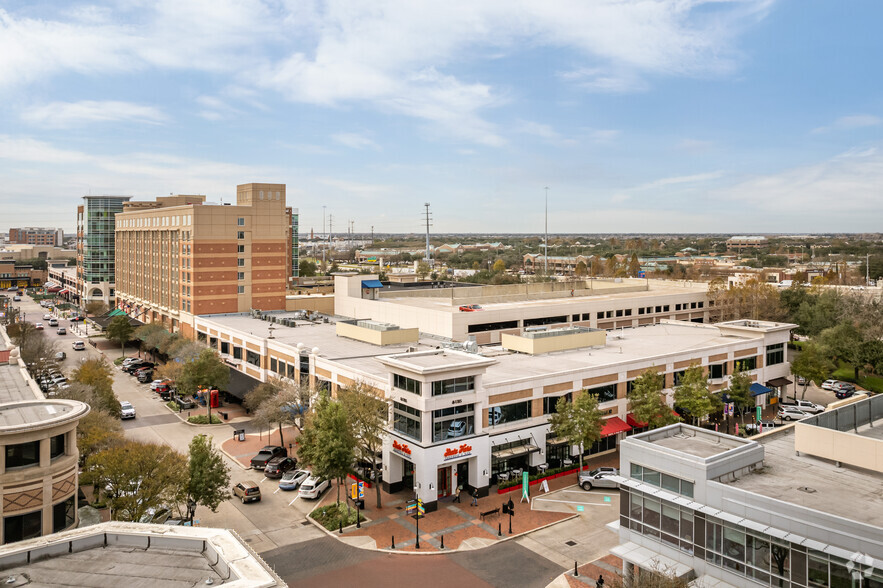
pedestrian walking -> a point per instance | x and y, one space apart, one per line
457 494
474 497
600 582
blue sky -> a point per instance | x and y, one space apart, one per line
647 116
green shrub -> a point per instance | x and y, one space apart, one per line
118 360
174 406
332 515
202 419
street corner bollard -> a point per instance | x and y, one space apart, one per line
499 529
340 527
393 546
442 541
575 570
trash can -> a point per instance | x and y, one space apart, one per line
223 415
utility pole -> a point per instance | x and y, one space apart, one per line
323 233
868 270
428 258
372 235
546 241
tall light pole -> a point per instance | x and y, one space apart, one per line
546 241
323 232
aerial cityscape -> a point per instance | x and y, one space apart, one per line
409 294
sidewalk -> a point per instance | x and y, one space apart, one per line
609 567
459 523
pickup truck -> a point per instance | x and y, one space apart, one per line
260 460
804 405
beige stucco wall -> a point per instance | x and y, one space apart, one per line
323 303
374 337
535 346
844 447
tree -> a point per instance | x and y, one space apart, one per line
634 266
307 268
137 477
499 266
596 267
96 432
579 421
647 401
423 269
152 337
205 371
581 269
843 343
95 308
37 350
120 330
96 376
753 300
693 395
327 444
282 404
368 415
610 266
739 391
209 476
812 365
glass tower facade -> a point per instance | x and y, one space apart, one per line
97 236
295 245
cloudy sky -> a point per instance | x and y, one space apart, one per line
639 116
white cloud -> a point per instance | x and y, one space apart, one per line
675 180
395 57
360 188
355 141
845 123
59 115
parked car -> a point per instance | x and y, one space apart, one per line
16 298
263 456
185 403
278 466
247 491
53 322
60 356
801 381
157 383
789 413
844 391
292 479
313 487
128 361
138 365
156 516
38 326
804 405
470 308
79 345
47 316
75 319
829 384
127 411
760 426
61 331
598 478
145 375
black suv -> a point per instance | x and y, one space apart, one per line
278 466
260 460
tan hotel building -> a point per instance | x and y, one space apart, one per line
179 256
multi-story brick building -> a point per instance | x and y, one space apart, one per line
179 256
37 236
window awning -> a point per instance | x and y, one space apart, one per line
758 389
514 451
633 422
372 284
778 382
65 291
556 441
614 425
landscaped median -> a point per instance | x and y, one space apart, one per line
333 516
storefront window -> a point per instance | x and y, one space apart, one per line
453 422
406 384
21 527
550 403
509 413
453 386
406 420
22 455
604 393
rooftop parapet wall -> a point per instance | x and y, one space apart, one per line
835 435
522 292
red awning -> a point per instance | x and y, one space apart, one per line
65 291
614 425
53 289
634 423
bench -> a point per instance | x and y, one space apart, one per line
493 511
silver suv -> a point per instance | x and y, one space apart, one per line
598 478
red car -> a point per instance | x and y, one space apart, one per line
469 308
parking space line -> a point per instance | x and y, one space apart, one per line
295 498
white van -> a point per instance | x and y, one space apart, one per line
79 346
313 488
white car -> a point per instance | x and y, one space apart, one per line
829 384
787 413
127 411
79 345
126 362
157 383
598 478
313 488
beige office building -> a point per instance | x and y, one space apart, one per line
180 256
